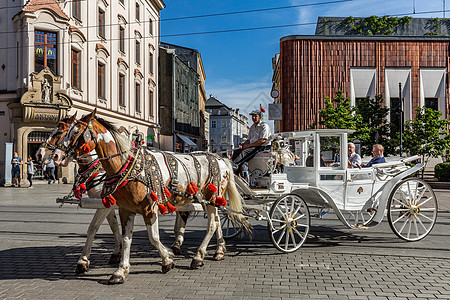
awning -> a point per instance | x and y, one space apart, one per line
187 140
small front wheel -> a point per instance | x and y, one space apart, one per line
412 209
289 223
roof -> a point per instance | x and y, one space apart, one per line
214 103
365 38
35 5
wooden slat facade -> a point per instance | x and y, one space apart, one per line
312 69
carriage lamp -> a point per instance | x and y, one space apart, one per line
357 146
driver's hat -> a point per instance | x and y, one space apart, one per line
256 112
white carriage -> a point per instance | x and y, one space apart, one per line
360 198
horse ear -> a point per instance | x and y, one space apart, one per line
92 115
72 118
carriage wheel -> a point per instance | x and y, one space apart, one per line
289 223
412 209
230 229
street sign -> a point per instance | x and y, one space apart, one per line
274 93
275 111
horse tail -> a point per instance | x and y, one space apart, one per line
235 201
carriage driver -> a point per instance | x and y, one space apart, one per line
258 140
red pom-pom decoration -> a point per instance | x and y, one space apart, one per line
82 188
220 201
212 188
153 196
85 148
162 209
167 192
192 188
171 208
108 201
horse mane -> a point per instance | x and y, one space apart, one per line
122 143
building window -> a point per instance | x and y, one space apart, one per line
138 97
150 24
44 51
122 39
101 23
76 69
224 139
224 124
150 62
138 11
101 81
213 124
432 103
395 111
76 9
151 104
138 52
121 90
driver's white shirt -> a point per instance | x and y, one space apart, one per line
259 131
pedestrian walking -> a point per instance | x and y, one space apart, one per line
244 172
30 171
15 171
50 169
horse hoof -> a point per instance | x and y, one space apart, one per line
196 264
176 250
218 256
114 279
114 259
167 268
82 268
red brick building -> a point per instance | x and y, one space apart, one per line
310 68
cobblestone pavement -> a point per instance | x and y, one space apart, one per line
40 244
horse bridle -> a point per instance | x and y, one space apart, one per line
87 133
53 147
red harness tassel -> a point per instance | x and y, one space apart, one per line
108 201
167 192
171 208
162 209
153 196
82 188
220 201
192 188
212 188
86 148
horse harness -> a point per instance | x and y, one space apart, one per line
87 179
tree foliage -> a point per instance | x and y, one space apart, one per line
339 113
427 134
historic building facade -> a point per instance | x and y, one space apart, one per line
179 104
60 58
310 68
227 127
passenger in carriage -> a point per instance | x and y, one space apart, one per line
378 157
354 160
258 140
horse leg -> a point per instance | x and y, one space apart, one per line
220 250
83 262
197 261
114 225
127 221
153 235
179 229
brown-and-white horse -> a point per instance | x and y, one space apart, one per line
55 138
134 197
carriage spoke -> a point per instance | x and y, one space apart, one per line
286 241
281 235
399 209
298 208
403 226
400 202
292 206
415 226
409 228
421 195
298 233
419 205
281 212
291 233
399 218
428 209
299 217
420 222
281 221
421 214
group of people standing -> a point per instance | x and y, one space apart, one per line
17 161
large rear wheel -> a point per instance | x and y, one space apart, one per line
412 209
289 223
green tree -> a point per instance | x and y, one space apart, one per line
374 124
427 134
338 113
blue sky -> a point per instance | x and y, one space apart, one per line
238 65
